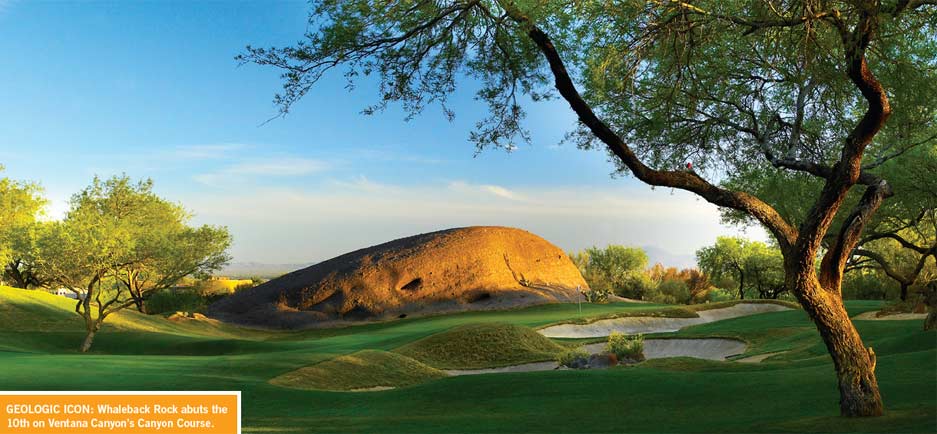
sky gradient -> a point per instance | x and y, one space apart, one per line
151 89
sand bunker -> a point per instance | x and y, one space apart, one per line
704 348
373 389
759 358
526 367
643 324
871 316
709 348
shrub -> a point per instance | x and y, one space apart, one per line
597 295
612 269
167 301
899 306
718 294
573 358
670 291
625 347
868 286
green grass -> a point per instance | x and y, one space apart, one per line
361 370
796 393
482 345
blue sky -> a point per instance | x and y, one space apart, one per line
151 89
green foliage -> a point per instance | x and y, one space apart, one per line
717 295
676 82
573 358
597 295
616 269
20 205
625 347
120 243
670 291
674 286
183 300
755 268
868 286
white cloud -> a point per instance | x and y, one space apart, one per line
495 190
501 192
276 167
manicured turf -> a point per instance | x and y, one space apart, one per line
482 345
361 370
795 393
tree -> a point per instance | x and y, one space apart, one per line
615 269
900 239
725 259
673 286
20 204
730 85
120 243
766 270
752 265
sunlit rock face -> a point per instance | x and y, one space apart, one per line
461 269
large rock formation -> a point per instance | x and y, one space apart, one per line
469 268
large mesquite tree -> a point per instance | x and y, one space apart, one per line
900 240
806 86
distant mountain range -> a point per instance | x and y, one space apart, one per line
259 269
269 271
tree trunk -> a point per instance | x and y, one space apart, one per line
904 292
12 270
141 304
89 339
855 365
930 299
741 286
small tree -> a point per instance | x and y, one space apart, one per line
615 269
120 243
673 286
752 265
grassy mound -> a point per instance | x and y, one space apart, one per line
37 321
485 345
361 370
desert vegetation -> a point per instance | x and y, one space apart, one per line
118 245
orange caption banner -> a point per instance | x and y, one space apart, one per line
120 412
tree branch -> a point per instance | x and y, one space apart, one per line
690 181
831 267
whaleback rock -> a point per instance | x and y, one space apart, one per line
461 269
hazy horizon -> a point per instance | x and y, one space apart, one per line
325 180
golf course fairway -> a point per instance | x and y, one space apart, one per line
793 391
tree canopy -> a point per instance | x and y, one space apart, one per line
753 266
614 269
21 203
120 243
